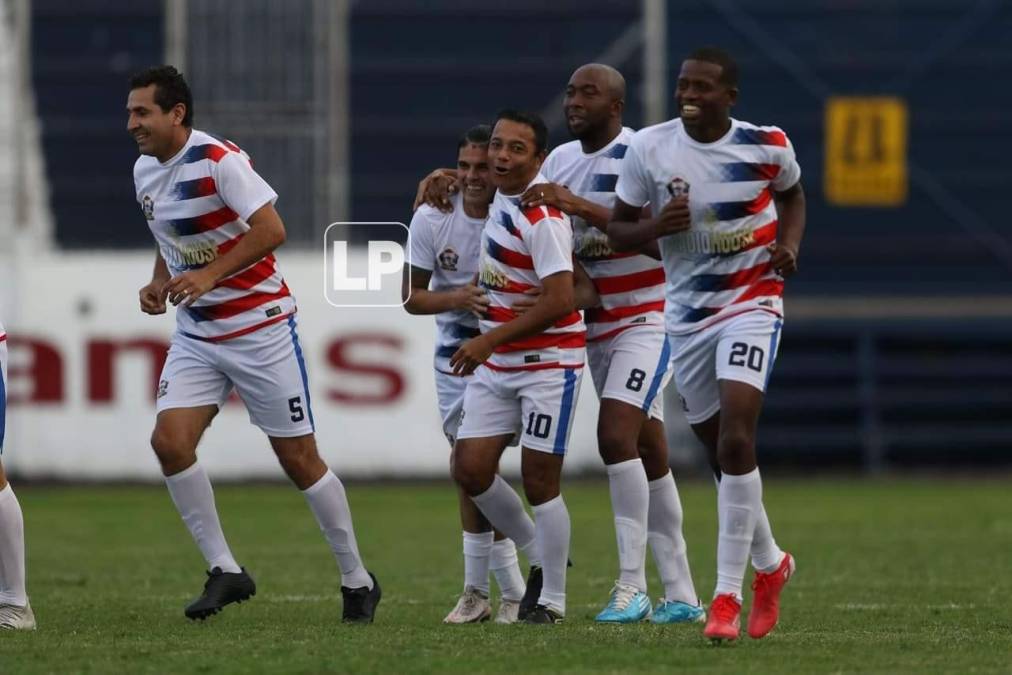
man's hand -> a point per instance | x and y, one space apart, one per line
153 298
549 194
436 189
674 217
471 354
188 286
530 299
471 298
783 259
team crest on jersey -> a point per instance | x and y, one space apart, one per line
148 207
448 260
678 187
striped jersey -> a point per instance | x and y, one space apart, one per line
519 247
631 285
196 205
720 266
447 245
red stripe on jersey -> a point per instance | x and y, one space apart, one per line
3 337
544 341
534 366
764 234
745 277
244 331
534 214
760 290
509 257
601 315
226 246
629 282
231 308
214 219
251 277
760 202
510 287
504 314
215 153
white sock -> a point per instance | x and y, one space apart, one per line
552 521
329 504
766 555
12 550
664 532
193 496
506 569
502 507
630 498
477 548
739 499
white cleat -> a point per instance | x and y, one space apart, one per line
509 611
13 617
472 607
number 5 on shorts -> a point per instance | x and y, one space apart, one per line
295 407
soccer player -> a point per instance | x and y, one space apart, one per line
15 610
444 251
532 364
627 351
214 220
729 213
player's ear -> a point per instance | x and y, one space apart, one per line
732 95
178 113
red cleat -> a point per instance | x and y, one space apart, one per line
724 622
766 601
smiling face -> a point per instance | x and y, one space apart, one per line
155 130
704 100
473 174
513 154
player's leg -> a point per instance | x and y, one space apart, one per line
548 402
680 603
15 611
327 499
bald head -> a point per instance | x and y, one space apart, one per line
609 80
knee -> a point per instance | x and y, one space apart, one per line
540 487
736 446
615 446
300 461
173 449
469 474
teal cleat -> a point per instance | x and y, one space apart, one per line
627 605
670 611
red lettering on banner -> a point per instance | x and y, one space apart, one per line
340 359
44 371
102 353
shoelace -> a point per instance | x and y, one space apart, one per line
725 609
622 595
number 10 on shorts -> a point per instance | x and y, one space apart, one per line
364 272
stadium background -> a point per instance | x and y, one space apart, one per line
897 351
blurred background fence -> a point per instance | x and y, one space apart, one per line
898 349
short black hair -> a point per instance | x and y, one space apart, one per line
717 56
170 89
476 135
533 120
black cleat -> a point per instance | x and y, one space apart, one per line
221 588
535 579
542 614
360 603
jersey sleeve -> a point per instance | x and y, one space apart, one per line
548 166
551 245
790 170
421 250
633 185
240 187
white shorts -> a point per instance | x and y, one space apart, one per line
741 348
3 388
540 403
632 366
450 396
265 367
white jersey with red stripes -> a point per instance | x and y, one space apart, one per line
196 205
720 266
519 248
447 245
631 285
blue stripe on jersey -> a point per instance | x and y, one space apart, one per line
694 314
771 356
188 189
711 283
507 222
617 151
663 363
565 412
446 351
734 172
743 136
601 182
302 369
732 210
462 332
199 152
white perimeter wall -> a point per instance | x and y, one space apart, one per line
370 380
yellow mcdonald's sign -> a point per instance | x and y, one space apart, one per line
866 151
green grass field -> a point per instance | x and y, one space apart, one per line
892 576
